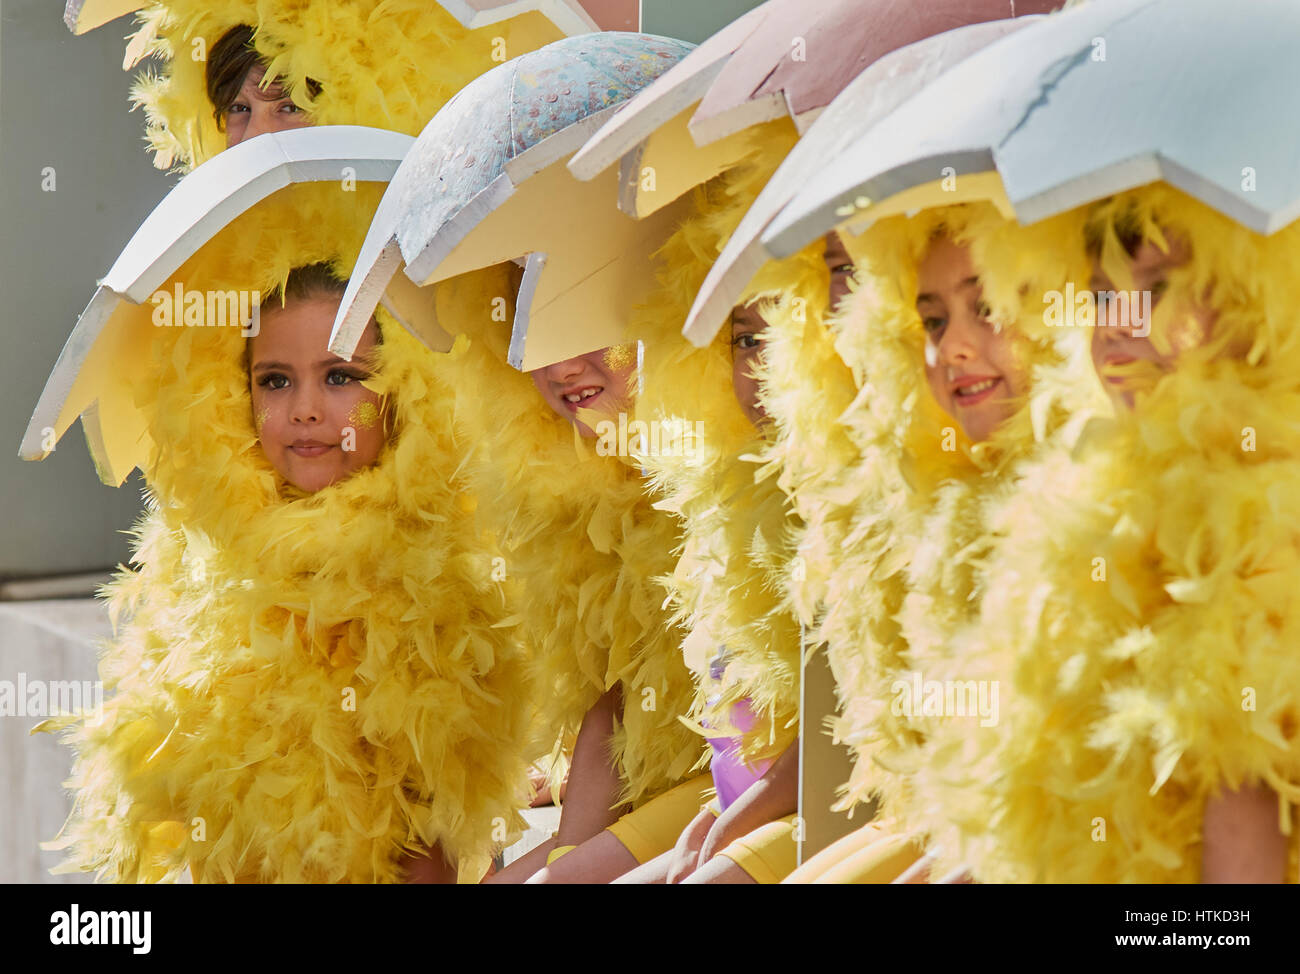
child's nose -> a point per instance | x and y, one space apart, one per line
958 341
562 371
306 407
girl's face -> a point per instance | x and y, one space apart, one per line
597 380
973 370
315 420
840 264
256 111
1122 353
747 328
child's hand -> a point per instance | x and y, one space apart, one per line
686 854
541 788
719 836
1242 840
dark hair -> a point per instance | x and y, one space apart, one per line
229 62
303 283
309 281
313 281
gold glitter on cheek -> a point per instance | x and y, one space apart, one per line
364 415
620 358
260 420
1019 352
1187 331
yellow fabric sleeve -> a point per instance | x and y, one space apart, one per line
559 851
653 829
768 854
868 856
879 863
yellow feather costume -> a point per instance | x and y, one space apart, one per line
1140 604
729 586
885 480
386 63
305 686
580 536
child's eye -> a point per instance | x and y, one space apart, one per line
289 106
341 377
982 309
237 107
746 341
934 326
273 380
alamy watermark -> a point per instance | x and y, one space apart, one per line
653 438
51 698
182 307
77 927
1100 309
917 697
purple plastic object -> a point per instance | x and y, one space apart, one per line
732 775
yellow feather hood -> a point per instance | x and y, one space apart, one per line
868 454
579 534
729 586
1138 612
304 685
387 63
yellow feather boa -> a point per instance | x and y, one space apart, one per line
867 453
730 584
581 538
304 685
1138 609
387 63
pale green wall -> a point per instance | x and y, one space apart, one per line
691 20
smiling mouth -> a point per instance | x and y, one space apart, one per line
968 393
581 398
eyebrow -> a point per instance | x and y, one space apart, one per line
930 296
269 94
746 314
275 91
323 363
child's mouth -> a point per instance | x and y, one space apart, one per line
581 398
972 392
309 448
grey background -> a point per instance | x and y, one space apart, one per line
63 103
